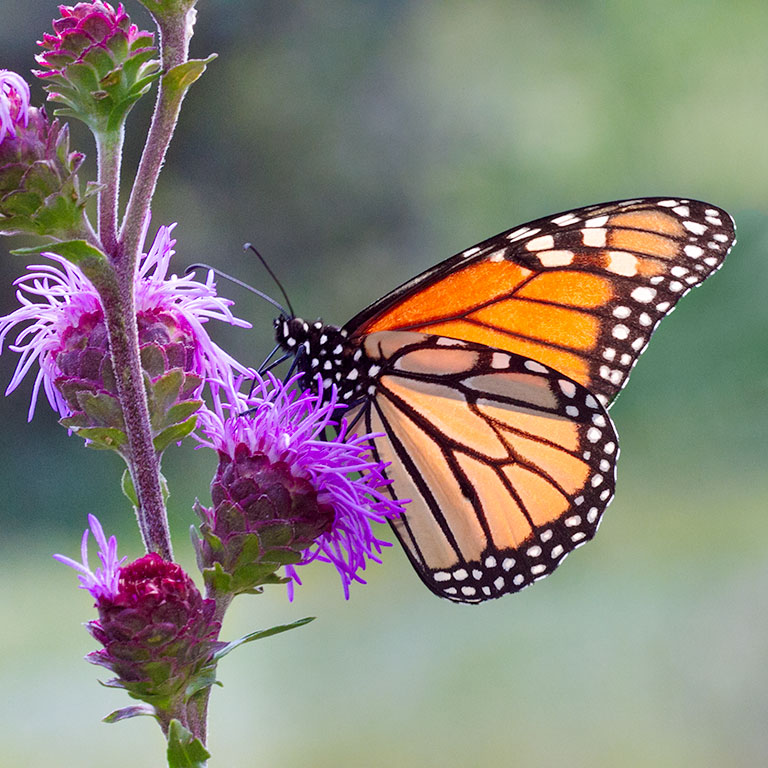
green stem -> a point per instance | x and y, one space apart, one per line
109 145
197 708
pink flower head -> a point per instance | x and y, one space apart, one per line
84 29
282 478
14 103
156 629
62 326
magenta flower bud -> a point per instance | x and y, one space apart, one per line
158 633
157 630
283 495
63 327
39 190
97 63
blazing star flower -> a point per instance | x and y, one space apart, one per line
96 61
14 103
63 329
283 493
157 630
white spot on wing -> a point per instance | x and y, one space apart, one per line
643 294
532 365
594 238
543 243
620 331
694 251
695 226
568 388
622 263
555 258
565 219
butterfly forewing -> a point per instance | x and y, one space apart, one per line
580 291
508 464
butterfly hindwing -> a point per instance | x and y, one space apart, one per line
508 464
580 291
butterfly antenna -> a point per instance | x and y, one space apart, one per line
250 246
193 267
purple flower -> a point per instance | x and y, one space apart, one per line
62 327
286 490
103 581
88 32
14 103
157 631
97 62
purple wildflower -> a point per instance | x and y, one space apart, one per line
303 496
97 62
63 327
83 29
14 103
103 581
157 631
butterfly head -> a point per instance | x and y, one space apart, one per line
327 351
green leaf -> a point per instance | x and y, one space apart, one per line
128 488
174 434
247 577
217 579
184 749
178 79
152 360
180 412
103 409
91 260
127 712
229 647
202 681
165 389
105 438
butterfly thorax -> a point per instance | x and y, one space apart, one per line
326 351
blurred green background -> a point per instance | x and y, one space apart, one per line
357 143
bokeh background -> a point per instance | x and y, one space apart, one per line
357 143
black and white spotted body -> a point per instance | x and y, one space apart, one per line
324 350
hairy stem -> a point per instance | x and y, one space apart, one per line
174 44
109 145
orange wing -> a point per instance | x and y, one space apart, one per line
581 291
507 463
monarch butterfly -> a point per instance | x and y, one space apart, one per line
489 377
